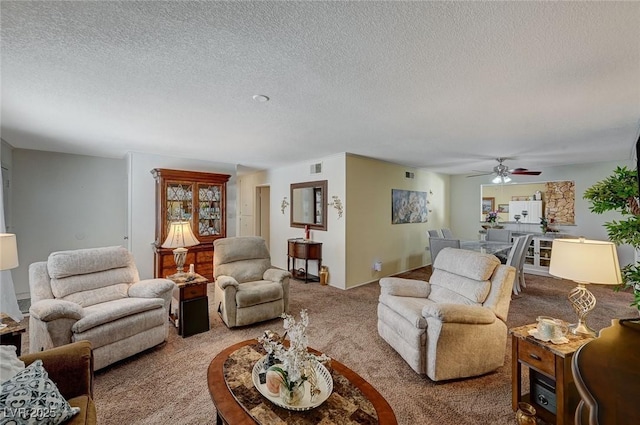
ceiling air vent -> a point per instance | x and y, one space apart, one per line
409 175
316 168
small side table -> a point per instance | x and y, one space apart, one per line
305 250
12 333
552 390
190 305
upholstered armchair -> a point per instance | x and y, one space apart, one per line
454 325
96 295
71 368
247 288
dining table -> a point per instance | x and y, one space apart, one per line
488 247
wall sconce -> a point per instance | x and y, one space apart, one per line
337 204
284 205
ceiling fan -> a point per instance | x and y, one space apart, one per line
502 172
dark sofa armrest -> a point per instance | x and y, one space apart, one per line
69 366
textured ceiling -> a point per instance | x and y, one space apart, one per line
445 86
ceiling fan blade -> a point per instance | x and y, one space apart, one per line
482 173
525 172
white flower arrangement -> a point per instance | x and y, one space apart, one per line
297 364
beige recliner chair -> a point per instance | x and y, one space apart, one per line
248 289
454 325
96 295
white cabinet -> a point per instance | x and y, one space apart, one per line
533 208
538 256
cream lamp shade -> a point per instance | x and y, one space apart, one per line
584 261
8 251
180 236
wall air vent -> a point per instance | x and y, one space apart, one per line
316 168
409 175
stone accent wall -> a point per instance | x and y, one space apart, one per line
560 202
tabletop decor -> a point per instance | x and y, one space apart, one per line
492 219
289 366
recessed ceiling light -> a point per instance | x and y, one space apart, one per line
260 98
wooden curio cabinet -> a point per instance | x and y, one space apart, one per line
199 198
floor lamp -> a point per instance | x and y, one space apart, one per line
584 261
180 237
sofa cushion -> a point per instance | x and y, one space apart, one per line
102 313
82 261
409 308
128 327
31 397
404 287
244 270
259 292
229 250
68 271
452 288
470 264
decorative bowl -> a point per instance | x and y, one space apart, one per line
325 383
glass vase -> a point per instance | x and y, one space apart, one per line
294 396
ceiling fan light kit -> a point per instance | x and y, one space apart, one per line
501 179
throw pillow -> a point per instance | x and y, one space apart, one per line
31 397
10 364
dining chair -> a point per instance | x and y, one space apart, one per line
523 256
513 259
499 235
435 233
437 244
516 258
447 234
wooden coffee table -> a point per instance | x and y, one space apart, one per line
231 411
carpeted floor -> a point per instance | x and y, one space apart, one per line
168 384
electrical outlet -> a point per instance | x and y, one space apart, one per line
377 266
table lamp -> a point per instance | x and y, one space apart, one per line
584 261
8 251
180 236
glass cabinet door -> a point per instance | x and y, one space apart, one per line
179 203
210 209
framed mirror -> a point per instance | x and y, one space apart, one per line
554 200
309 205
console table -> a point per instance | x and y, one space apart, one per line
305 250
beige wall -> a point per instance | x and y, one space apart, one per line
370 236
364 234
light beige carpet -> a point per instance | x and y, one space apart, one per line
168 384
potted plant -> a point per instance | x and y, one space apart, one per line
619 192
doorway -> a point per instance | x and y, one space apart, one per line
263 215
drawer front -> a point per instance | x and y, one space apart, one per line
194 291
537 357
301 251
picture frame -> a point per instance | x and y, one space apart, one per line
488 205
503 208
408 206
